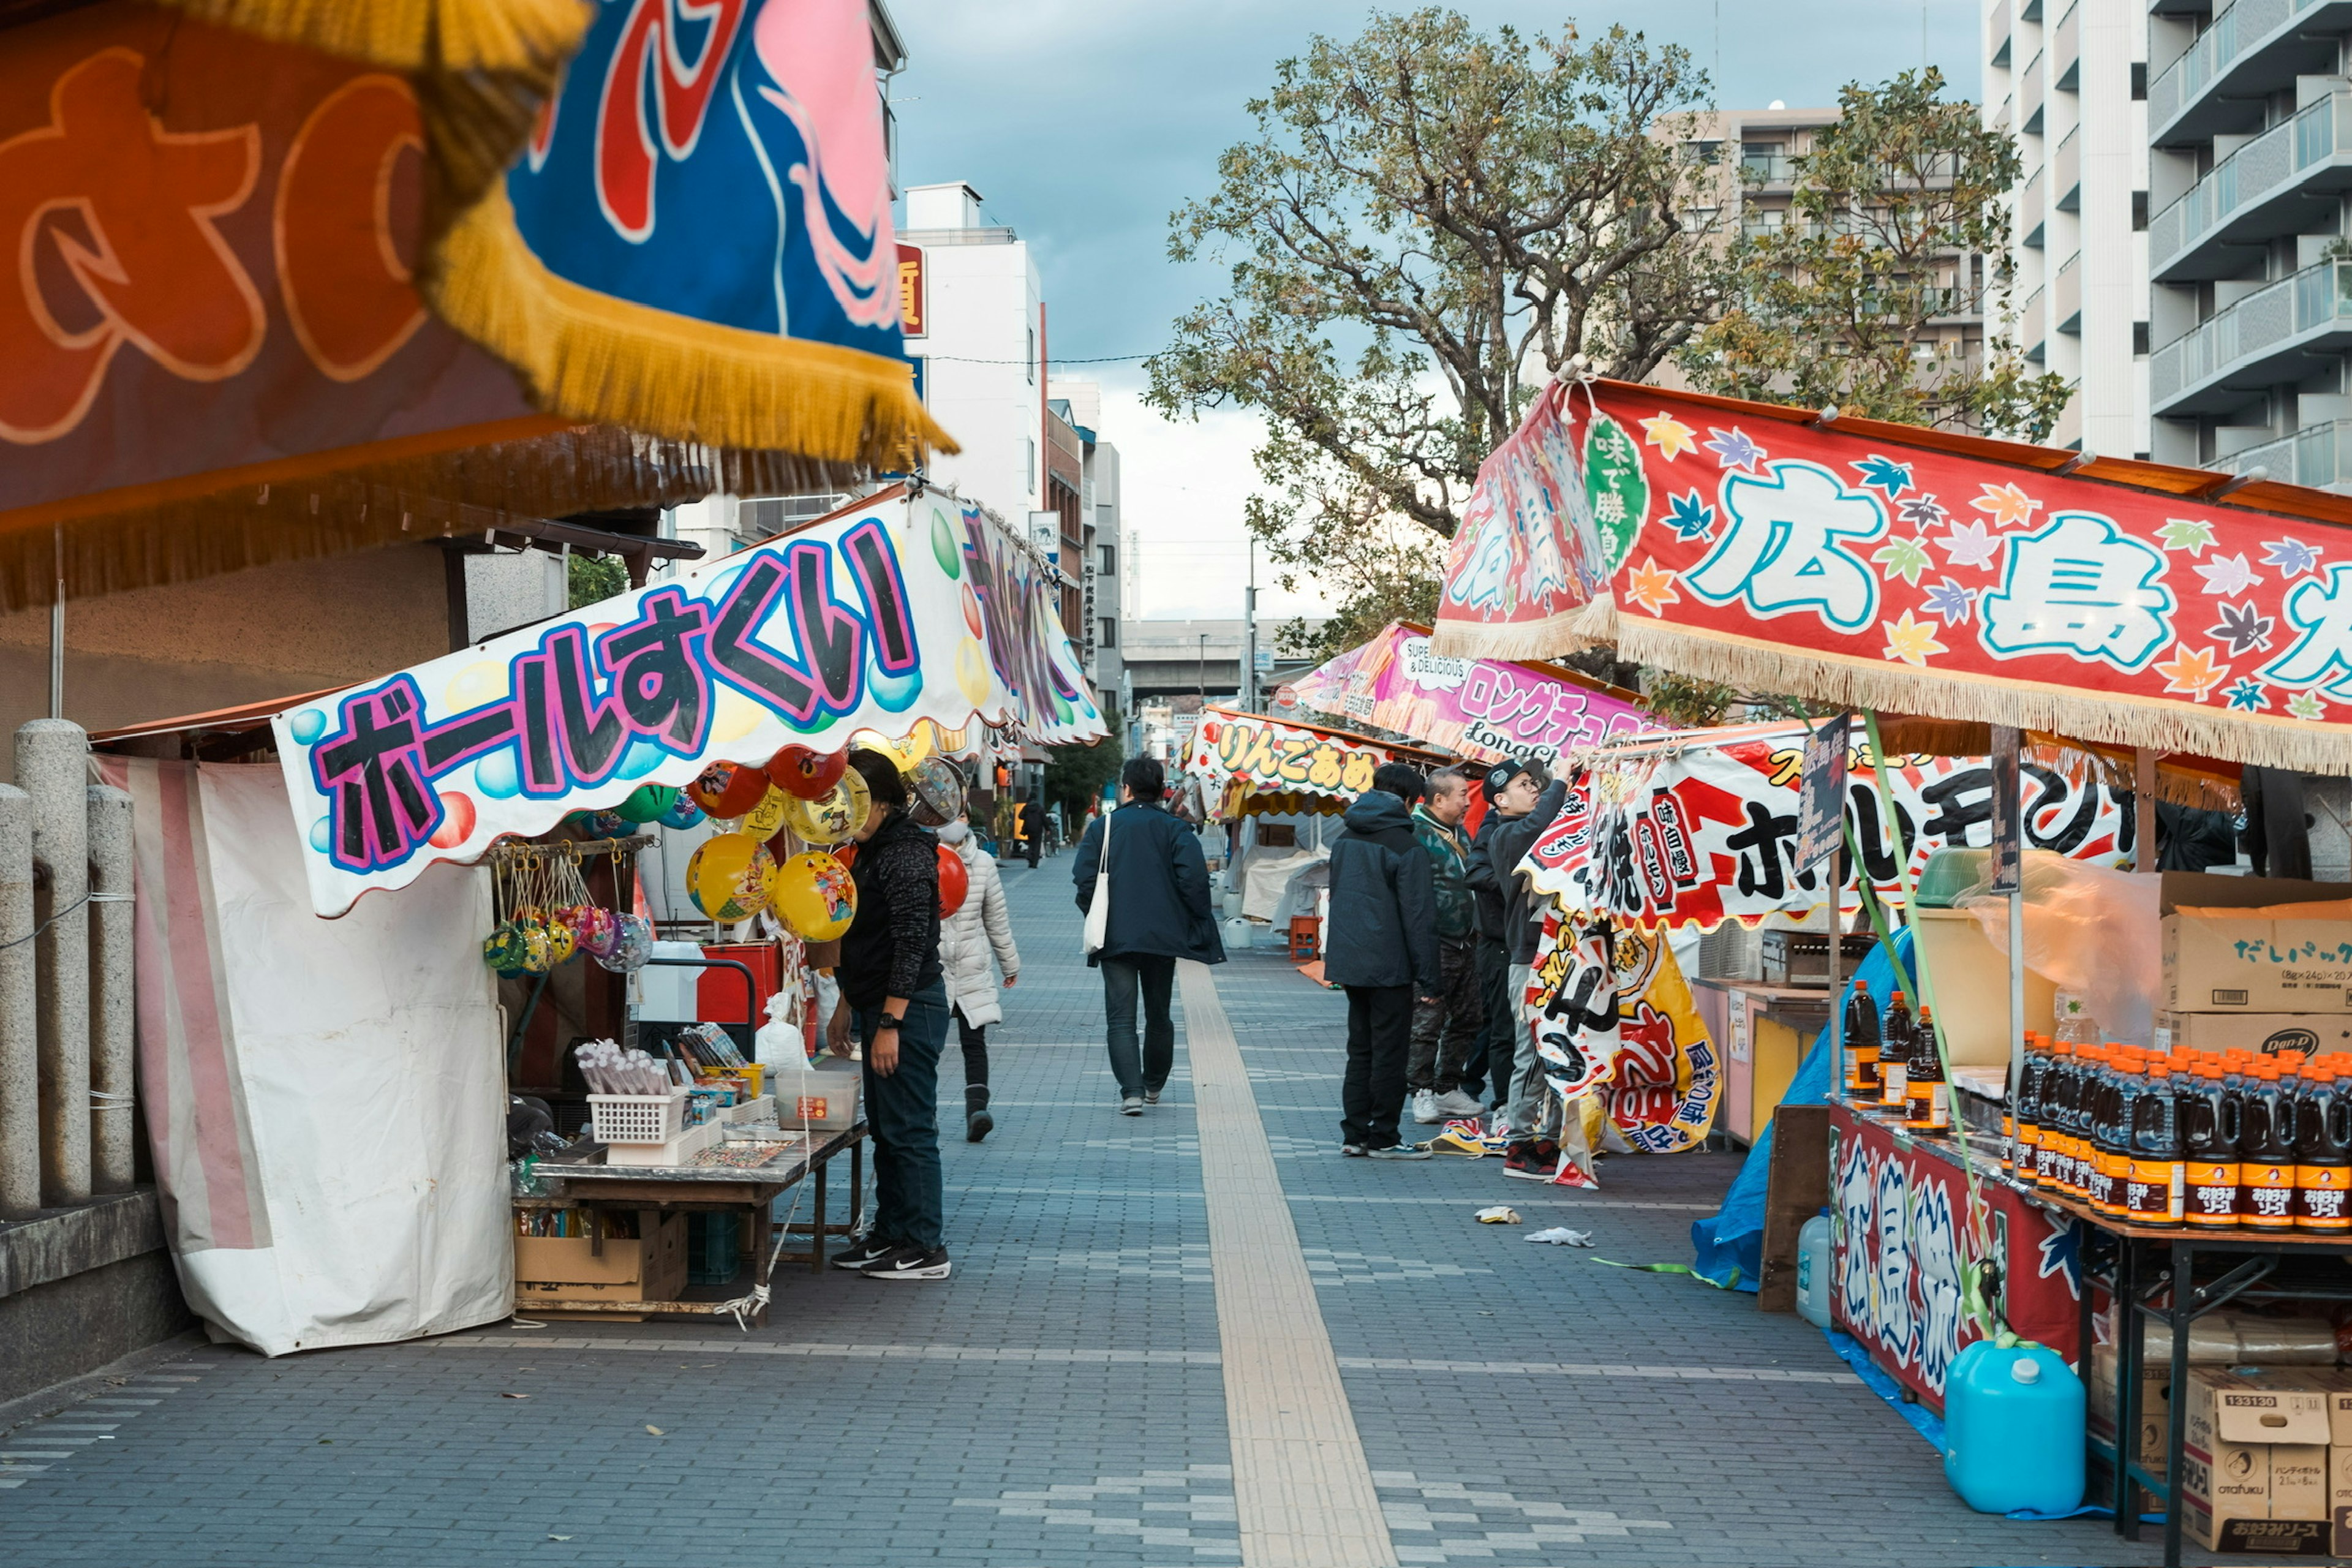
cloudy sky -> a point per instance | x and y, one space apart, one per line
1084 123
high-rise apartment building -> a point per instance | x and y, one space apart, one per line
2249 129
2067 79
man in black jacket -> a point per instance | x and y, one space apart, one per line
1527 812
1380 946
1158 913
1032 828
1493 956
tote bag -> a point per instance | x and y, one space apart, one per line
1098 909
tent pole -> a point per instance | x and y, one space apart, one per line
2144 807
2009 778
58 630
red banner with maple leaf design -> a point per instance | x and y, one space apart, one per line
1758 546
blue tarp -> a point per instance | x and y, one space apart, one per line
1730 1242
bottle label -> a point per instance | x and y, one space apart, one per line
2319 1197
2153 1190
2212 1195
1893 1087
1939 1105
2268 1196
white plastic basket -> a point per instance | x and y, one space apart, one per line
638 1118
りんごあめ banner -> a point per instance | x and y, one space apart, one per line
1695 831
1269 756
893 613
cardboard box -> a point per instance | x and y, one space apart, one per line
649 1268
2222 963
2310 1033
2155 1405
2256 1470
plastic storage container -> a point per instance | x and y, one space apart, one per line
1813 1271
2014 1430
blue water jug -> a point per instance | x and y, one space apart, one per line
2013 1429
1813 1271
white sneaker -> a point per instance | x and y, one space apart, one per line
1454 1105
1424 1108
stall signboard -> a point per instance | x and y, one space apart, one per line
1693 834
1529 555
1778 553
1489 710
1615 1016
1267 756
897 611
1901 1244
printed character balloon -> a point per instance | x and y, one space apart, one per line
815 894
728 789
935 791
730 877
682 812
632 943
806 774
955 881
763 820
646 803
833 817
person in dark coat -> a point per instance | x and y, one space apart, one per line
1159 912
1032 827
1525 819
1379 946
894 988
1493 955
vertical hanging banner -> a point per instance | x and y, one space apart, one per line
1617 1016
1532 549
889 613
1821 793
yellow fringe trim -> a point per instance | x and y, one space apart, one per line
592 356
1546 638
521 36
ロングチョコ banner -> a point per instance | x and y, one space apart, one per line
895 611
1694 832
1485 709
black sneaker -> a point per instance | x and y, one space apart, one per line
858 1254
909 1263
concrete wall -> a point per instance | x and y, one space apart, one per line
82 1287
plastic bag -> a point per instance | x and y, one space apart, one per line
779 1042
2089 930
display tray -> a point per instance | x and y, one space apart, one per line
790 1161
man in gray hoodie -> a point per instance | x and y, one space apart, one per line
1381 947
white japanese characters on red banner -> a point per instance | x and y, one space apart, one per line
1693 835
1616 1016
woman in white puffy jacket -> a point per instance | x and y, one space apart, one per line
977 932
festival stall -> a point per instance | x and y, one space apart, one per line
1994 589
471 828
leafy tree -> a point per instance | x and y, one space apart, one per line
1429 222
594 577
1077 775
1842 305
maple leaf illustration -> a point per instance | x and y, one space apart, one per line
1911 640
1904 558
1651 587
2292 557
1884 474
2180 534
1950 603
1971 544
2307 705
1922 512
2244 628
2247 696
1691 519
2008 506
2228 574
1732 449
1669 435
2191 670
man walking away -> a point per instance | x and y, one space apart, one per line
1158 913
1447 1031
1500 1037
1528 810
1380 946
1032 827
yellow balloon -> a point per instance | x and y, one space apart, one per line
762 820
731 877
815 896
834 816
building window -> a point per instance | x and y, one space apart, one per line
2139 211
1033 465
2139 81
1030 361
1106 561
2139 339
1109 633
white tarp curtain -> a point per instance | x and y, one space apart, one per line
325 1099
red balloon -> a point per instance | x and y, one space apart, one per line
797 770
457 821
955 881
845 853
728 789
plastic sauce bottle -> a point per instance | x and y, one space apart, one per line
1928 1099
2057 1075
2026 1153
1860 1046
1895 1055
2209 1136
2156 1188
2266 1170
2109 1155
2323 1150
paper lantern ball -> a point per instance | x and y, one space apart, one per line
809 774
934 792
728 789
815 894
833 817
646 803
955 881
730 877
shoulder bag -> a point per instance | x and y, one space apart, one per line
1098 907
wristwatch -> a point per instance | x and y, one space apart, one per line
887 1022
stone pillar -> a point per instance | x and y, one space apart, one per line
52 766
113 1115
20 1059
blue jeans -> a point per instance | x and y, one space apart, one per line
1155 975
902 1115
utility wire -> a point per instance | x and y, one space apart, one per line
1106 358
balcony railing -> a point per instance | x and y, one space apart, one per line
2067 48
1770 168
2029 96
1998 27
2235 29
2315 455
2066 172
2258 324
2066 296
2030 329
2029 210
2264 168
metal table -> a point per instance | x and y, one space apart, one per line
707 1189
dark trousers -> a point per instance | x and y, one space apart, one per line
1155 975
1501 1032
1448 1032
902 1114
973 1038
1379 1032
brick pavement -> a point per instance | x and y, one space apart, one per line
1062 1400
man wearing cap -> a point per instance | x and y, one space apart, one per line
1527 805
1447 1032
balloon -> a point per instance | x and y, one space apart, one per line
906 752
815 896
595 927
562 942
834 816
763 820
935 791
682 812
645 803
632 943
730 876
728 789
507 950
806 774
955 881
457 818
